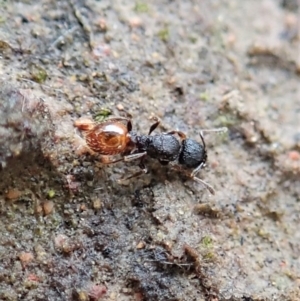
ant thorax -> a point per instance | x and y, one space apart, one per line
163 147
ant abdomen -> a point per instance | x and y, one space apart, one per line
108 138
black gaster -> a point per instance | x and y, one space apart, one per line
192 154
165 148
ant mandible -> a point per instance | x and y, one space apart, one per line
115 136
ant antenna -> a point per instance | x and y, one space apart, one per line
202 138
216 130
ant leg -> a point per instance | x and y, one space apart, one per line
193 177
143 170
207 186
181 135
107 160
129 125
196 170
142 165
134 157
136 174
154 126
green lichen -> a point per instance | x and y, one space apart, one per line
209 256
164 34
51 193
102 114
38 74
207 242
206 249
39 231
192 39
4 45
226 120
262 233
204 96
141 7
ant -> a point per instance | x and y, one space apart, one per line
115 136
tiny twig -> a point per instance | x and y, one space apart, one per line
83 23
169 263
61 37
41 85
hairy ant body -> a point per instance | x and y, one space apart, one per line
115 136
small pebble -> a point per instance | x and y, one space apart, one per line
13 194
138 297
126 290
25 258
38 209
82 296
97 204
135 22
33 277
294 155
84 123
102 24
60 240
291 20
120 107
48 207
97 291
83 207
140 245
